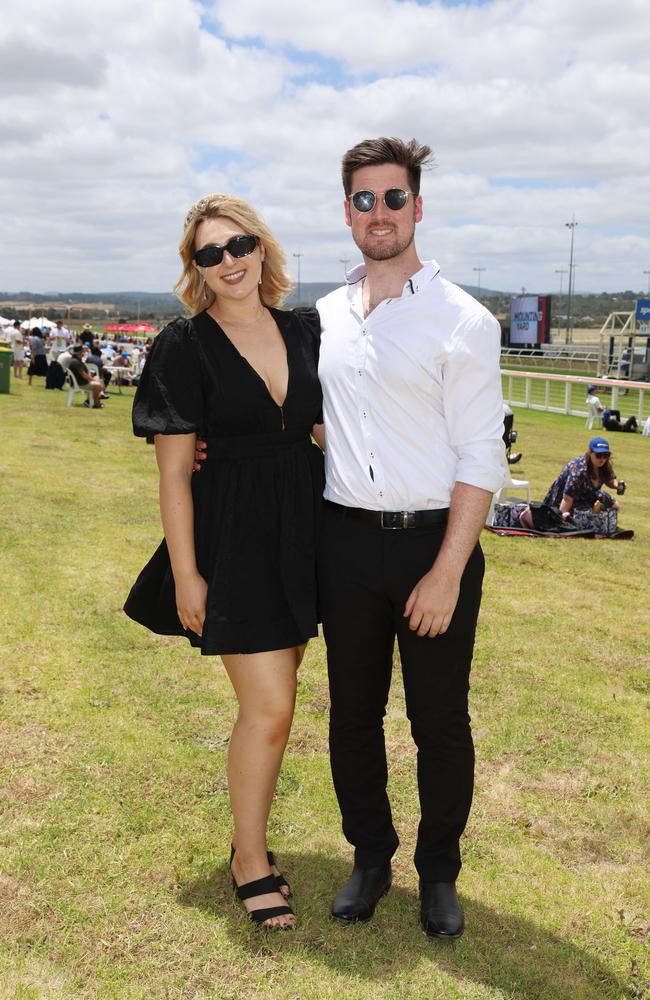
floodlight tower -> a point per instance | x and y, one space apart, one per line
570 225
561 271
345 261
299 255
478 271
648 273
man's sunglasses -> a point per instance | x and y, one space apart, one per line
237 246
394 198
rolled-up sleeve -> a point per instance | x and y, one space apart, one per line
473 402
169 398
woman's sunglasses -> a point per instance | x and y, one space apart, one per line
394 198
237 246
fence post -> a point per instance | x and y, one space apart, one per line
528 392
567 397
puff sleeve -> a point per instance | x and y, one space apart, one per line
308 319
310 322
169 398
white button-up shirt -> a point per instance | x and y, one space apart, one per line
412 397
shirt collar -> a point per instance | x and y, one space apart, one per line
418 281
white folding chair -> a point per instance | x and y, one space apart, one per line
504 494
74 388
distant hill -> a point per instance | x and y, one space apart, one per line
157 307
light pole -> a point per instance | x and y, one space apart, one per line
570 225
561 271
299 255
648 273
345 261
478 270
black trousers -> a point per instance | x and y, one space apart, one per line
366 574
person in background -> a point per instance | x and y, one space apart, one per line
83 376
593 401
60 339
94 356
580 483
87 335
612 421
17 341
38 360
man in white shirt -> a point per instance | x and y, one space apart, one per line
17 338
60 339
409 365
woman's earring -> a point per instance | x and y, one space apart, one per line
206 293
261 274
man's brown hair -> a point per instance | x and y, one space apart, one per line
373 152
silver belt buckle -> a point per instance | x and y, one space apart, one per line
396 527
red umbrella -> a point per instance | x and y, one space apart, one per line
131 328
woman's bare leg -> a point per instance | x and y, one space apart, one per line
265 685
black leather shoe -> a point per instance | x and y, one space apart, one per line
361 893
441 915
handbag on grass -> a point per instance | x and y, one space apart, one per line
602 522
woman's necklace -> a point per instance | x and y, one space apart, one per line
238 324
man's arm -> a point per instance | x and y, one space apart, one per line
432 601
318 434
473 412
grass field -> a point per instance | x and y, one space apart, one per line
115 822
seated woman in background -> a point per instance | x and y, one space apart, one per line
580 482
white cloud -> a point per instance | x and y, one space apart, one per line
116 117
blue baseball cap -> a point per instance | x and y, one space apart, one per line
591 388
599 446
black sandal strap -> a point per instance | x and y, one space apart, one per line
259 916
279 878
259 887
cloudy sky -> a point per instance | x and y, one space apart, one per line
116 116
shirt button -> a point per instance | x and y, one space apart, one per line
380 493
372 454
359 372
364 414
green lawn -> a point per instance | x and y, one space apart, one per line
115 823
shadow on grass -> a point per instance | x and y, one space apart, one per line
499 950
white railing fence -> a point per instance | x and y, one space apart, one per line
567 393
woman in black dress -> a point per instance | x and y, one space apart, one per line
236 572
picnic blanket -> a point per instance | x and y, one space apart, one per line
529 532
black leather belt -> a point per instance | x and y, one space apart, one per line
393 520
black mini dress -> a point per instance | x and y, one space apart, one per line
258 495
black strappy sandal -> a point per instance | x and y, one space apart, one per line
280 880
260 887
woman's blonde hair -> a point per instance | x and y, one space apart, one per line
191 288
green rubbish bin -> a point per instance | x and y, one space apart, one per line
6 361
